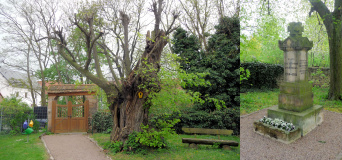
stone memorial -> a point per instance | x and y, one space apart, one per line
295 103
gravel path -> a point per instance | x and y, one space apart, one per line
73 147
256 147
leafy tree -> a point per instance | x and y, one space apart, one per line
221 63
129 75
12 105
263 44
15 112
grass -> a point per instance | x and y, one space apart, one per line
16 147
178 151
254 101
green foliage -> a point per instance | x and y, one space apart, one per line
131 145
178 150
244 74
218 119
262 46
45 130
319 77
216 145
15 112
221 64
13 105
114 147
262 76
171 97
316 32
156 137
102 121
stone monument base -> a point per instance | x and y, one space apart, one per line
306 120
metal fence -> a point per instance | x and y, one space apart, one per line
41 115
5 123
9 122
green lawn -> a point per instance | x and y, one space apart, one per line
17 148
254 101
178 151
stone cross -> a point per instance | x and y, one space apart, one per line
295 91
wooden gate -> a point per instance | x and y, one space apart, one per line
70 118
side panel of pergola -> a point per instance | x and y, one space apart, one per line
87 90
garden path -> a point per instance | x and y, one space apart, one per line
72 147
324 142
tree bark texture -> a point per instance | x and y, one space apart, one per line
332 22
128 110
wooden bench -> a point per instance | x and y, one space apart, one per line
222 143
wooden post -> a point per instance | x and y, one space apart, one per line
53 117
69 115
86 113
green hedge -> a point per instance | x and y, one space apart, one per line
218 119
263 76
102 122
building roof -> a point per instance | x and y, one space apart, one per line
68 89
17 79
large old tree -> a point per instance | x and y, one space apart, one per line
332 22
128 110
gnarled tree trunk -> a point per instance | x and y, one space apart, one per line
128 110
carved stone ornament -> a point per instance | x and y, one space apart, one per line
295 41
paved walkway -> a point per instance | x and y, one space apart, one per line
324 142
73 147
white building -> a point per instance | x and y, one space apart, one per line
13 83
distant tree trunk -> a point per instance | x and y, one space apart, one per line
335 49
29 77
332 22
43 96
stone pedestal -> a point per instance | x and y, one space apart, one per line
306 120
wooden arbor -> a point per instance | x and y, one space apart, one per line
69 117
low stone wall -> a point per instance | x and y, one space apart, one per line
317 79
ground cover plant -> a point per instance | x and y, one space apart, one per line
16 147
176 149
254 101
278 123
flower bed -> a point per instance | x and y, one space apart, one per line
277 129
278 123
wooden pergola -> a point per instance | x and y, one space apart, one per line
59 122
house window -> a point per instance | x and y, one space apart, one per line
17 94
25 94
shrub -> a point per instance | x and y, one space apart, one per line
131 145
102 122
218 119
113 146
262 76
156 137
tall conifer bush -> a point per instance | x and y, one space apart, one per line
222 62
